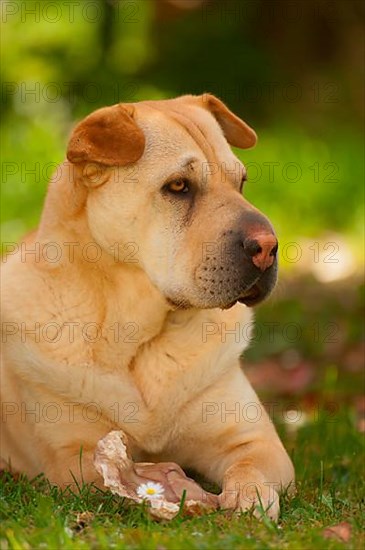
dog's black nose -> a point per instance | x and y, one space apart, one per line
262 248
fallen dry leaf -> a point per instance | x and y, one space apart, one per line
341 532
124 477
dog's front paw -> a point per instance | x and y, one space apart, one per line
247 489
261 499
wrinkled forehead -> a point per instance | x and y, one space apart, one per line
176 136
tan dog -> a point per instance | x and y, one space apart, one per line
127 308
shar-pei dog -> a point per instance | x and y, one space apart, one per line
122 310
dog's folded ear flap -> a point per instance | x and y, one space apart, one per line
237 132
109 136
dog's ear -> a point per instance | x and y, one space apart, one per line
237 132
109 136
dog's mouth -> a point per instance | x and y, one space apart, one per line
254 296
250 298
224 298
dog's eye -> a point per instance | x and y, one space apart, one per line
178 186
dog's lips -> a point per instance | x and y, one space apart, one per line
252 297
231 304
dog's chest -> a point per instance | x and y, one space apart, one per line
172 377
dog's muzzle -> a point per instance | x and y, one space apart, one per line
243 268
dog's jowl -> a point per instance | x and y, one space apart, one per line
122 310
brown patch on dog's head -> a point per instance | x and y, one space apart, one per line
109 136
236 131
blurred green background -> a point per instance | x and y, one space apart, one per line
292 69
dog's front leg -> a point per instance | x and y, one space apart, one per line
239 447
259 472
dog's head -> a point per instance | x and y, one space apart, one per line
165 188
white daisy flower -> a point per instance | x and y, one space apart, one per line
150 490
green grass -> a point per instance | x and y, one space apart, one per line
328 460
